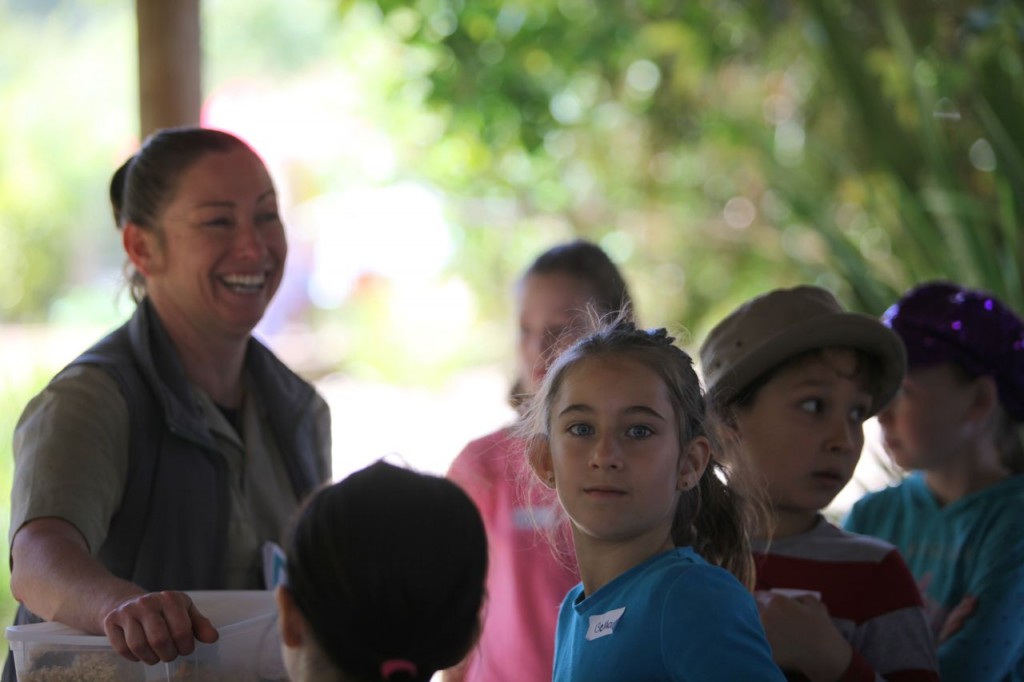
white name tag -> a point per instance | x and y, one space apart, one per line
604 625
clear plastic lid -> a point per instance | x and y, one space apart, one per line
227 609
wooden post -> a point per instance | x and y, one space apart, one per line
170 88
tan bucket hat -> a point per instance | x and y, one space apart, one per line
767 330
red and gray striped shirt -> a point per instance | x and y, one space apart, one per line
870 594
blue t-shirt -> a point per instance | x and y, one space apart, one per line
974 546
673 617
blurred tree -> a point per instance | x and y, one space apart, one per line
720 148
66 111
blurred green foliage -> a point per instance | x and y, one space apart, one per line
715 148
721 148
65 113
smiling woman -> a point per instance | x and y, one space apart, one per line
180 398
214 258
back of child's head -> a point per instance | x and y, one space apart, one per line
589 264
945 323
786 326
710 517
388 566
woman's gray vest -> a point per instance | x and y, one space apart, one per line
170 532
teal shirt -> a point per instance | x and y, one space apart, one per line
974 546
673 617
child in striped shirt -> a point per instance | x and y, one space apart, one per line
792 377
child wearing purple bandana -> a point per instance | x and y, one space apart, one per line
958 518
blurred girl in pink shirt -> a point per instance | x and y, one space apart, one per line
528 579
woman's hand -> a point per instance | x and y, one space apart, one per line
157 626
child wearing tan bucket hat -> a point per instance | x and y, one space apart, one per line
792 376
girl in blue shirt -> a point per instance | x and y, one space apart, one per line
618 430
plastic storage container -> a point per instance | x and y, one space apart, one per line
248 650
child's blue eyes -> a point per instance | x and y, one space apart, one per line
580 429
637 431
